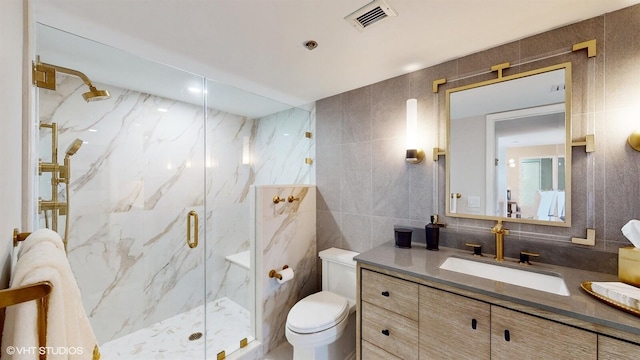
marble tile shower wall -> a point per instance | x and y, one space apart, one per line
132 185
287 234
280 148
365 187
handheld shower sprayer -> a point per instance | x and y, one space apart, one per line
73 148
65 172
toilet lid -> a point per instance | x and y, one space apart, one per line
317 312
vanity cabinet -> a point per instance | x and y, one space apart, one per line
614 349
515 335
389 316
372 352
453 326
390 293
402 319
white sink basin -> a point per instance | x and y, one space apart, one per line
533 280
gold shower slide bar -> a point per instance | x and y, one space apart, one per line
40 292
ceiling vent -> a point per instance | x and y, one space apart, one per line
370 14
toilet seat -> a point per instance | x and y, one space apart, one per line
317 312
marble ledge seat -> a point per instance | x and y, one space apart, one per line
242 259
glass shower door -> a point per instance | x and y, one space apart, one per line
229 288
135 200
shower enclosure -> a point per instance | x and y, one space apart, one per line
157 213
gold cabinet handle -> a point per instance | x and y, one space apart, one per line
192 215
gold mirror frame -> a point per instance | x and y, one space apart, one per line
568 144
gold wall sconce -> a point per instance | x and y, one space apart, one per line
634 140
414 155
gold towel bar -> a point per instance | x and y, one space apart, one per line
39 291
13 296
19 236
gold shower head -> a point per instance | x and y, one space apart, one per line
44 76
95 95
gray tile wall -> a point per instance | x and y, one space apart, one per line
365 187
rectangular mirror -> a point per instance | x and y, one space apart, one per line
509 148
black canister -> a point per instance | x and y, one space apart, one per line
432 231
403 238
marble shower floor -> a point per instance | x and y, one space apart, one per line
227 323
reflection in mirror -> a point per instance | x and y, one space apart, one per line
508 148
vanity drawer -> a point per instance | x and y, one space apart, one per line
393 294
372 352
396 334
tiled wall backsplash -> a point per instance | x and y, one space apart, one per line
365 187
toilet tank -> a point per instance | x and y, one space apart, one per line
339 272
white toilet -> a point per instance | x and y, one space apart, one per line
323 325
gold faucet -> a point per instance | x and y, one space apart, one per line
500 232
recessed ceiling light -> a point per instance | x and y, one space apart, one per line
311 44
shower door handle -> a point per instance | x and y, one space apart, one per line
192 242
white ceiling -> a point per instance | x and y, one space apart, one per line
257 45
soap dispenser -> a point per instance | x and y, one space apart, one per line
432 231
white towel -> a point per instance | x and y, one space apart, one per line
561 204
69 333
39 236
546 205
618 291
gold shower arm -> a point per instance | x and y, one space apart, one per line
44 75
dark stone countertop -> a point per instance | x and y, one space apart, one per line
420 263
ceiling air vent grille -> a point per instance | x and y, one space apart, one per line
371 17
370 14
